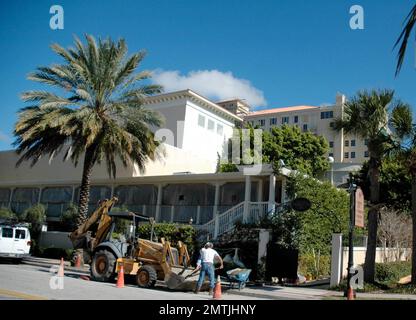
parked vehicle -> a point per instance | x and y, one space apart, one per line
14 240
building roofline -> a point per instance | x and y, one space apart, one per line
281 110
193 95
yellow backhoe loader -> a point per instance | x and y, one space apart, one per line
109 239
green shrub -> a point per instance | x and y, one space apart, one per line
171 232
36 216
54 253
69 217
7 214
391 272
314 265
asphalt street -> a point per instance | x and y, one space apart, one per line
19 281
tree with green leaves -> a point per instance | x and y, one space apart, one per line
302 151
93 111
384 122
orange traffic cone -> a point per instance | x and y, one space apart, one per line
78 261
217 289
120 277
61 268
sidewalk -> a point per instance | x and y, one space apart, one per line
307 293
265 292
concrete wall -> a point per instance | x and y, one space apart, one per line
382 255
58 171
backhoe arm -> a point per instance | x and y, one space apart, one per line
78 236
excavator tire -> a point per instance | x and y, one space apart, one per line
103 266
146 277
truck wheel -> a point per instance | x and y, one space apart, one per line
146 277
103 266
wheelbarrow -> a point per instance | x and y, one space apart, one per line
238 276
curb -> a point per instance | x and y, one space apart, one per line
84 271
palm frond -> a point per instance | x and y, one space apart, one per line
410 22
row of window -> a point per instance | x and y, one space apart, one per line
351 155
327 114
286 119
273 121
210 124
348 143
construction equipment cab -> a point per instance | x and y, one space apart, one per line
14 240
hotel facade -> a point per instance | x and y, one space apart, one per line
180 186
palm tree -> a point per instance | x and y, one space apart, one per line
410 23
410 152
367 115
94 111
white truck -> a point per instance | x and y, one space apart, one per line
14 240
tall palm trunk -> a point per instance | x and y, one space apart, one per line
370 255
414 227
84 192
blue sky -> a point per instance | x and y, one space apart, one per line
278 53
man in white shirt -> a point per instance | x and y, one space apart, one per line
207 257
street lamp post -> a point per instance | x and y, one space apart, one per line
331 160
352 188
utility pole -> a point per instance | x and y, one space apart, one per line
351 189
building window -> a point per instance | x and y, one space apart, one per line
352 143
331 144
4 197
220 129
56 200
331 154
332 124
346 155
24 198
353 155
262 122
296 119
366 142
305 127
273 121
285 120
211 125
201 121
347 143
366 155
327 114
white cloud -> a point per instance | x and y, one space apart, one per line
213 84
4 137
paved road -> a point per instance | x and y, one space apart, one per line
33 282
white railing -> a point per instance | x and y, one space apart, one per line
227 220
257 211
